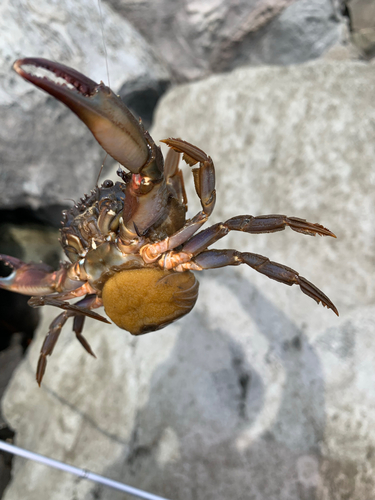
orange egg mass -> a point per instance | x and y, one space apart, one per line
143 300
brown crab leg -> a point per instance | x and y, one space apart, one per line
78 324
253 225
80 291
204 180
151 252
204 176
91 301
74 308
174 177
212 259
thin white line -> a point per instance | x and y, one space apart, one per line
84 474
103 40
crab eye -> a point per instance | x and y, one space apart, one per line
107 183
144 300
145 186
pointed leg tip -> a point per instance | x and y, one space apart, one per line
312 291
326 232
40 370
334 309
91 352
329 233
328 304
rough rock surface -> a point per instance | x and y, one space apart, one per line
258 392
362 16
47 154
198 38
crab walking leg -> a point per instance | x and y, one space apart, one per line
245 223
80 291
91 301
174 177
151 252
212 259
77 308
204 180
49 344
204 176
78 324
253 225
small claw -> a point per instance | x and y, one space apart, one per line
28 279
104 113
310 228
191 154
312 291
204 176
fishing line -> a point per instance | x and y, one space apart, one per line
106 64
103 39
82 473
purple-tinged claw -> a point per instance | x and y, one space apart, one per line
28 279
110 121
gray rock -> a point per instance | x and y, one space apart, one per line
47 155
258 392
362 15
198 38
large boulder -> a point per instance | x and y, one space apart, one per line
199 38
47 155
258 392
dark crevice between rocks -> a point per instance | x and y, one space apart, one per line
137 452
48 216
345 12
29 235
141 98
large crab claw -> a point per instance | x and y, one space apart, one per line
110 121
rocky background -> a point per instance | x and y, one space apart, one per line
258 392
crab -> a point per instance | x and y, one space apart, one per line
130 246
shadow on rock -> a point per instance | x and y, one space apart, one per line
196 437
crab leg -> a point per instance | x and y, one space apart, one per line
74 308
212 259
152 252
204 180
32 278
254 225
174 177
204 176
89 302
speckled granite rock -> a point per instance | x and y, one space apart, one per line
199 38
